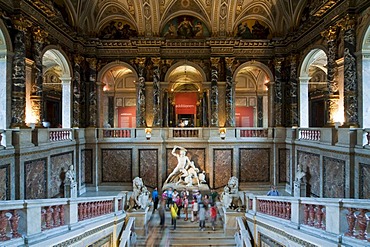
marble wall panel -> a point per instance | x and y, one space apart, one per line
148 166
334 178
59 165
195 154
364 175
311 164
266 241
284 165
87 166
5 182
254 165
35 179
222 167
116 165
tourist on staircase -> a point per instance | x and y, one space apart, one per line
202 217
213 215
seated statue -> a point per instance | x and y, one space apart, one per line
230 196
300 174
139 198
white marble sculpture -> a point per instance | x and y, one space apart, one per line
185 172
70 184
140 195
230 196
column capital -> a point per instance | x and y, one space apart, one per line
215 61
39 35
304 79
140 61
330 34
92 62
21 23
78 59
156 61
347 22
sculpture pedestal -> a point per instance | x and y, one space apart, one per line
230 224
300 189
141 220
70 190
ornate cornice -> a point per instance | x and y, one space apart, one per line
321 7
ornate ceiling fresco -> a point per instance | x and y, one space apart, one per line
119 19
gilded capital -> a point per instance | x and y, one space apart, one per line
39 35
278 61
229 61
348 22
140 61
330 34
21 23
215 61
156 61
78 59
92 62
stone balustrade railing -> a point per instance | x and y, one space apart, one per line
28 218
56 135
252 132
186 133
348 218
116 133
241 237
309 134
2 132
128 233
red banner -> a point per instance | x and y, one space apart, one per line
186 103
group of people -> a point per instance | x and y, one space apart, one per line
196 207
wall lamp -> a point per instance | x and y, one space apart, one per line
222 133
148 133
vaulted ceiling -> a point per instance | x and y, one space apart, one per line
148 17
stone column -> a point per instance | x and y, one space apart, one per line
229 93
66 102
294 114
303 102
278 96
205 119
214 91
350 73
165 115
140 106
19 74
92 101
77 91
271 100
100 87
37 89
156 92
333 89
259 111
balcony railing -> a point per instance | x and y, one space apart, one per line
309 134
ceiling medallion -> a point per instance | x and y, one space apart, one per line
185 3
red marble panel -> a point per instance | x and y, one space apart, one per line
59 166
222 167
254 165
35 179
364 181
334 178
4 182
195 154
311 164
86 167
116 165
284 164
148 166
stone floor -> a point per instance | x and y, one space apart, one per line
187 233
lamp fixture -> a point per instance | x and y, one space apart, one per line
148 133
222 133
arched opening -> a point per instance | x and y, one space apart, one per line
313 87
57 95
5 72
186 96
119 96
251 95
364 108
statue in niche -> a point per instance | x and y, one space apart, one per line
230 197
300 174
185 172
70 184
139 198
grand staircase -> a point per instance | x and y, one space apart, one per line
187 233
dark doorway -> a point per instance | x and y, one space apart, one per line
317 113
53 112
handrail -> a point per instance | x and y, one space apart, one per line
242 238
128 233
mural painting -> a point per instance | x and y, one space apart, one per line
252 29
117 29
185 27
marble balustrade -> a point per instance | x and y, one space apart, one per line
31 217
348 218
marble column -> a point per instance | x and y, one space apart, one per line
294 114
37 87
278 96
165 112
303 102
100 100
215 61
19 74
77 90
333 88
271 103
66 102
259 111
141 106
156 92
205 119
229 93
92 101
350 73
